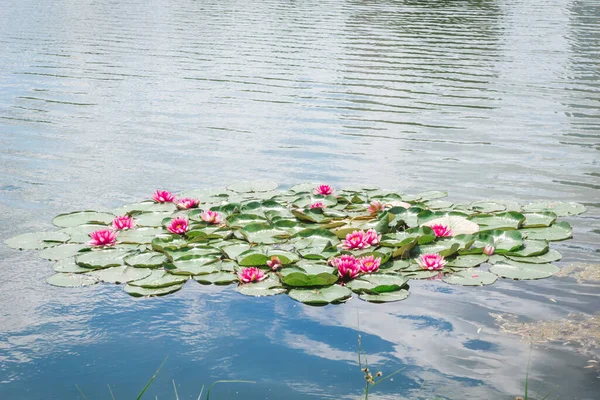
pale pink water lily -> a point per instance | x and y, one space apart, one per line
489 250
355 240
318 204
431 262
324 190
186 203
375 207
212 217
123 222
369 264
103 237
163 196
178 226
441 230
251 274
274 263
347 265
372 237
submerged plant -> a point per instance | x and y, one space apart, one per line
376 241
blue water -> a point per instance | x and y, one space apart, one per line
102 102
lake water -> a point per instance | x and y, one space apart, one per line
104 101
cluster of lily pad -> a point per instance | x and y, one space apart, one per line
317 244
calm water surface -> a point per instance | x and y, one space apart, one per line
103 101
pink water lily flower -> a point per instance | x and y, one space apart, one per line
375 207
251 274
431 262
318 204
355 240
103 237
369 264
163 196
489 250
123 222
178 226
441 230
347 265
324 190
187 203
372 237
212 217
274 263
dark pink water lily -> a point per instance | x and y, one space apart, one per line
489 250
163 196
103 237
212 217
372 237
324 190
355 240
369 264
187 203
347 265
123 222
251 274
274 263
441 230
375 207
178 226
431 262
318 204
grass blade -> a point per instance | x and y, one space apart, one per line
81 393
151 380
201 391
111 393
175 389
215 382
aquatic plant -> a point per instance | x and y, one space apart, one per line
300 249
251 274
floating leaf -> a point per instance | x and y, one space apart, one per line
558 231
102 258
516 270
299 279
321 296
458 225
159 279
141 235
83 217
71 280
385 297
377 283
470 277
505 220
120 274
467 261
37 240
195 266
550 256
560 208
68 266
62 251
268 287
530 248
540 219
148 259
137 291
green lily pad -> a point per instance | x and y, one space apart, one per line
104 258
68 265
137 291
37 240
421 274
195 266
377 283
530 248
550 256
321 296
71 280
503 241
82 218
268 287
467 261
388 297
540 219
516 270
62 251
120 274
458 225
147 259
142 235
470 277
159 279
505 220
487 206
263 233
559 231
560 208
216 278
151 219
234 250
